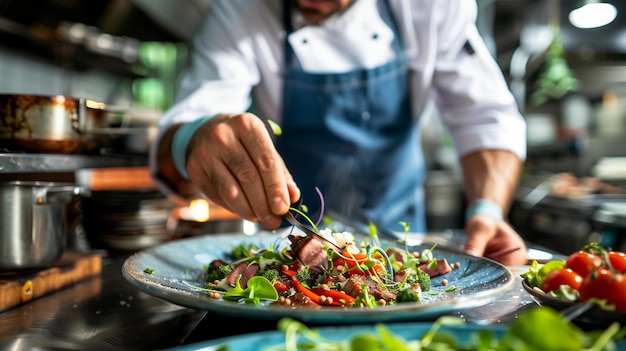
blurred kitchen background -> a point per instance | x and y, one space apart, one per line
569 82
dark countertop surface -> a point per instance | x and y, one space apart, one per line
107 312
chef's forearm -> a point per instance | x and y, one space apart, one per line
167 170
491 175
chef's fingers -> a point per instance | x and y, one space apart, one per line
222 187
480 230
269 165
494 239
253 178
509 247
213 151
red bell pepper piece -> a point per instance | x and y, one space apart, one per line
281 285
308 293
312 295
288 272
353 264
337 296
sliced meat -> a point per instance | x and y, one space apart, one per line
309 252
216 264
401 275
300 300
356 283
246 270
442 267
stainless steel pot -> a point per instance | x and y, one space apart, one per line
53 124
33 227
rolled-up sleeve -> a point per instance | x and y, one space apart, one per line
470 91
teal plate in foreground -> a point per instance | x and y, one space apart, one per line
177 269
260 341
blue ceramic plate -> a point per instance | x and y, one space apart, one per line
409 331
178 266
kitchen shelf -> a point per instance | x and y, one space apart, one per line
40 163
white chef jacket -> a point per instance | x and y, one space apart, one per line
238 58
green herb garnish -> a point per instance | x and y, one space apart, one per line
528 332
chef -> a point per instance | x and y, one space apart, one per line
347 81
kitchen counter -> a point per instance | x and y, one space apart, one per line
100 313
107 312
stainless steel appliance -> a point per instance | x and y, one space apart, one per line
563 214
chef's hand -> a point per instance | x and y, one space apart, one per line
489 237
232 160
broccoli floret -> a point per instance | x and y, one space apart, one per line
423 279
226 270
271 274
304 275
408 295
215 272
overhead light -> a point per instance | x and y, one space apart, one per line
593 14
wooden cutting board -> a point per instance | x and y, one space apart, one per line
20 288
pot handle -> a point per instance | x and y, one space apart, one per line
58 194
79 116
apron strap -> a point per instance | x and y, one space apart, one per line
288 25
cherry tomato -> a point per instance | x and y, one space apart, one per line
583 262
618 260
604 285
563 276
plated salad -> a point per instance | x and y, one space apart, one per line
340 272
594 273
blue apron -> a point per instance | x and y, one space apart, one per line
352 136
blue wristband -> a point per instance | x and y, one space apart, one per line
180 142
484 207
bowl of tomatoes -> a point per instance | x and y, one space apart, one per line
592 274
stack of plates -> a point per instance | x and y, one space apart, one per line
125 220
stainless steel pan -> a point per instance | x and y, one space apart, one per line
54 124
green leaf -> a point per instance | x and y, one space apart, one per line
444 340
259 288
537 273
485 340
565 292
389 340
366 342
451 288
427 255
543 329
275 127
